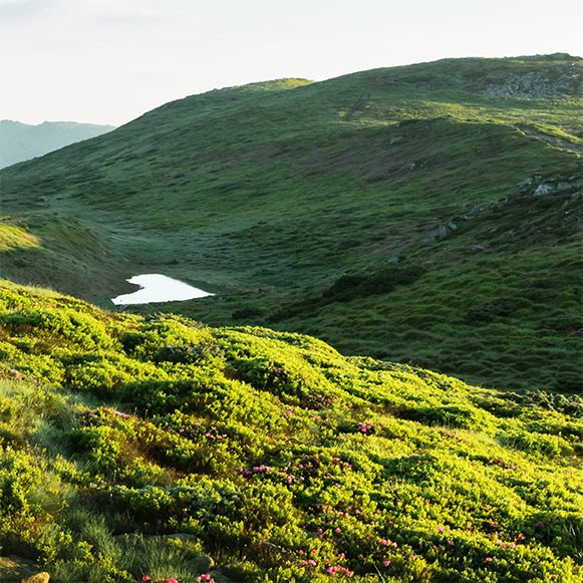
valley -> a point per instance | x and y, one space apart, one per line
276 192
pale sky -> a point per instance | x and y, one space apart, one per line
109 61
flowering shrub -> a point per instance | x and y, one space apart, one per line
269 454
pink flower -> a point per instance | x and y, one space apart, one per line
387 563
489 559
146 578
204 577
171 580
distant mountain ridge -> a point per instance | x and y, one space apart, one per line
20 141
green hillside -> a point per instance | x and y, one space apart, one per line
157 447
427 214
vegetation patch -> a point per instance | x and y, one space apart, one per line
158 449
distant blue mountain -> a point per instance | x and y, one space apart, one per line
19 141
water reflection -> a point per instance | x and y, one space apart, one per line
159 288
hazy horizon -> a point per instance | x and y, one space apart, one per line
109 61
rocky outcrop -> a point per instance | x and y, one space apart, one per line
542 84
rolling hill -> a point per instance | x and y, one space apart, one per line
427 214
19 141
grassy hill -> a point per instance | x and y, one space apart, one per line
20 141
157 447
427 214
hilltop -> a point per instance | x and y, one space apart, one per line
427 214
138 447
19 141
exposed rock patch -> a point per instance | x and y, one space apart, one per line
543 84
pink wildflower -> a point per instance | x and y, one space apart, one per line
387 563
489 559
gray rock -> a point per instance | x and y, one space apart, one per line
543 189
438 233
524 183
203 564
562 186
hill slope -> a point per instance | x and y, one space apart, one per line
157 447
19 141
427 214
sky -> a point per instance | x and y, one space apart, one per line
109 61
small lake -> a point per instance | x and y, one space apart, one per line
158 288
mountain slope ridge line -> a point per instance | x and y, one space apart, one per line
266 192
